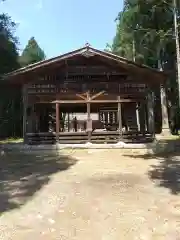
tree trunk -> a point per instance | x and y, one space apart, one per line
177 46
165 122
164 111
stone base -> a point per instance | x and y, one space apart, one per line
165 132
159 145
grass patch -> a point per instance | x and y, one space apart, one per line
168 137
11 140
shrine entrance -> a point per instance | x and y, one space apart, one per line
93 121
87 95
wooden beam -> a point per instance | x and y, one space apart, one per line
57 122
92 101
119 118
97 95
81 96
69 101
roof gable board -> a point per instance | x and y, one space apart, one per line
87 52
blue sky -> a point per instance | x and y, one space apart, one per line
60 26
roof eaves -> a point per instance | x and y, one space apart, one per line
44 62
124 60
76 52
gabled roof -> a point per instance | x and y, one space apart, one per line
86 51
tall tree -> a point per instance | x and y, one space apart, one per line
32 53
10 111
147 27
8 45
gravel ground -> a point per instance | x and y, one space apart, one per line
89 194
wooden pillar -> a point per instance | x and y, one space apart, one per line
57 122
146 116
68 122
142 116
150 106
137 115
31 123
89 123
119 119
25 103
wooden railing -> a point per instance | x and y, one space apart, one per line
82 137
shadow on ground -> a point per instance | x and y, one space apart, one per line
23 174
166 173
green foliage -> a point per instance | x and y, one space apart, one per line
11 97
32 53
150 26
8 45
10 110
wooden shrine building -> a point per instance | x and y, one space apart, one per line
87 95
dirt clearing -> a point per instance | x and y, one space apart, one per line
89 194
